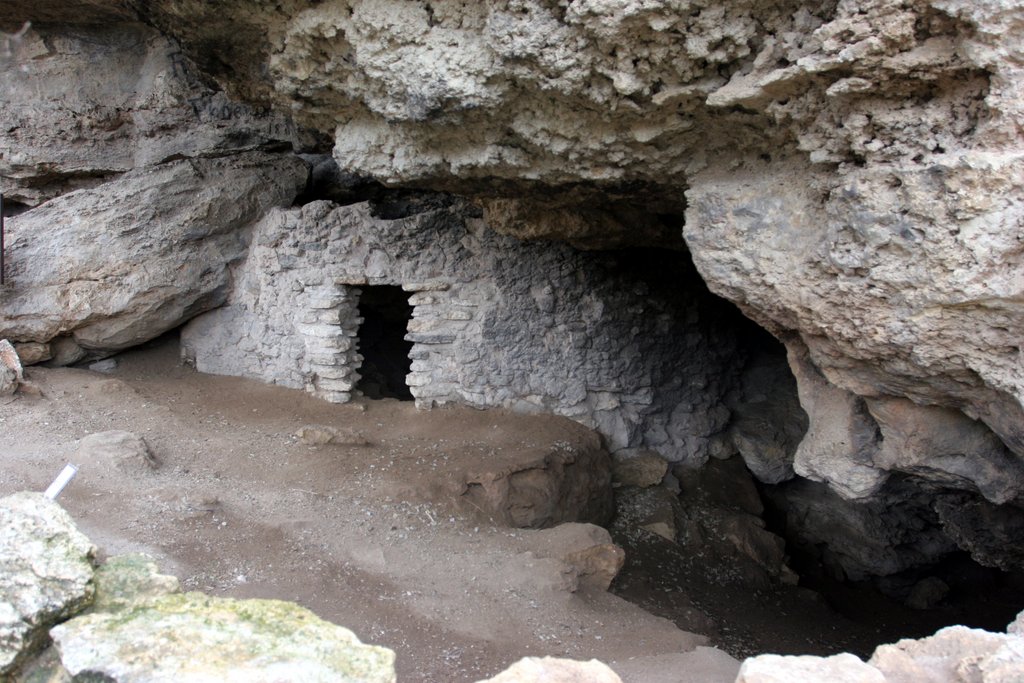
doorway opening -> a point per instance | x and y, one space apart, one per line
386 313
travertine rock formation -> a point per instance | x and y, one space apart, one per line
847 172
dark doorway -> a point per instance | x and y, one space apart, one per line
386 312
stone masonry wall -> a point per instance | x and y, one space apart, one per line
618 341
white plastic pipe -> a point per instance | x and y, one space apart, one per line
62 480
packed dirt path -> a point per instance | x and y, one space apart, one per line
361 534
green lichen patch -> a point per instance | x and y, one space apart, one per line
128 579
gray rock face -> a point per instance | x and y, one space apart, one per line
184 220
135 102
46 573
608 341
888 533
946 447
989 532
193 637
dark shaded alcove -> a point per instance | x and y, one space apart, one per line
386 312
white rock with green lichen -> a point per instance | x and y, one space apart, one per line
193 638
128 579
46 573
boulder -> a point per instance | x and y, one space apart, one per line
10 369
192 638
554 670
767 422
841 668
645 469
956 654
884 535
184 219
46 573
587 549
701 665
655 510
31 353
544 486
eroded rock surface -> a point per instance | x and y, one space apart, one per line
956 654
184 220
193 637
87 104
46 573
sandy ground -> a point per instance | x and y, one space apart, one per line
362 535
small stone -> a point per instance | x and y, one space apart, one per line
66 351
320 435
104 366
124 451
663 529
31 353
648 469
554 670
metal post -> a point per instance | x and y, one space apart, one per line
3 264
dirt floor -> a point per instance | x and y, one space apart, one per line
363 534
